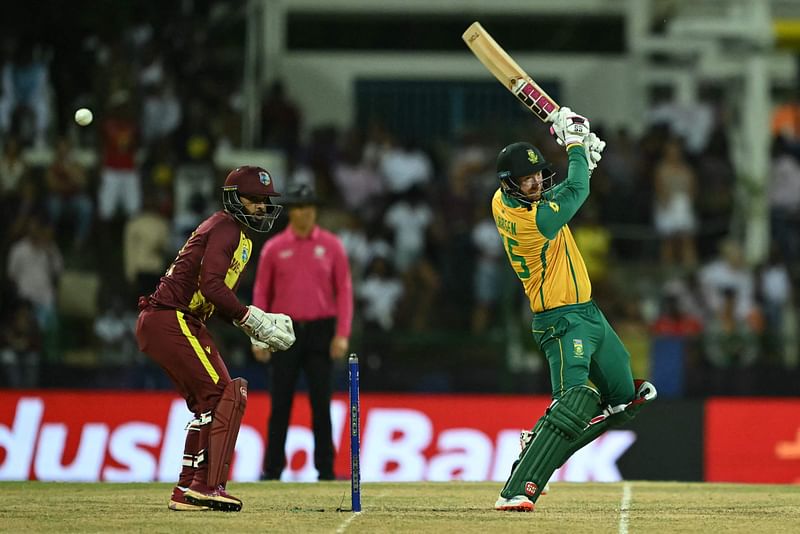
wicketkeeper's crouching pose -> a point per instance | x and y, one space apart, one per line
531 211
171 330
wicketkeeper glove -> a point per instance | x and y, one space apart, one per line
569 128
274 329
259 345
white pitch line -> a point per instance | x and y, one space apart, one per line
624 508
347 522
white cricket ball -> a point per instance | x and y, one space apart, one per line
83 117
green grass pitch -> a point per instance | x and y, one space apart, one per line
463 507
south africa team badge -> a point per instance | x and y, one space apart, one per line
577 347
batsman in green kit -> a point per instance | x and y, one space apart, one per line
531 212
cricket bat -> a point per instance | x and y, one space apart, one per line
508 72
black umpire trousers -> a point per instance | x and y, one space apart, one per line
311 355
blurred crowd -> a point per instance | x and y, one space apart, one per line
94 215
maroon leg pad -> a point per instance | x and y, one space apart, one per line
224 430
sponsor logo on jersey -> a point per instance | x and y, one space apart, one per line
577 347
319 251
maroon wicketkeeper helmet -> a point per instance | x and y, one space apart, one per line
254 183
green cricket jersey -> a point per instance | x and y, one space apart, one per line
538 241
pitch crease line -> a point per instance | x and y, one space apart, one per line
346 523
624 508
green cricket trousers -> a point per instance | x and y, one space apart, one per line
580 345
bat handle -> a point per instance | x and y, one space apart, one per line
535 99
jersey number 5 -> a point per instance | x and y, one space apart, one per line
522 271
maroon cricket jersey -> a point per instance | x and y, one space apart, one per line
205 274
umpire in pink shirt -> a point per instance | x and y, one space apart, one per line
303 272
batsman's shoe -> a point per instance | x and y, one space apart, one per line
214 498
645 392
519 503
178 502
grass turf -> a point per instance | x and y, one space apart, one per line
464 507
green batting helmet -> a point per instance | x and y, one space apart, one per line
517 161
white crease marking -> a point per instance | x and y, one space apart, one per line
624 508
347 522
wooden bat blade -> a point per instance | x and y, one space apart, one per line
492 55
508 72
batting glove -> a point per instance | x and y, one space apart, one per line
569 128
594 147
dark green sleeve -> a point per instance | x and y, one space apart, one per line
554 191
559 207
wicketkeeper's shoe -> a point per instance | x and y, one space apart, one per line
178 502
519 503
214 498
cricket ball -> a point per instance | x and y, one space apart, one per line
83 117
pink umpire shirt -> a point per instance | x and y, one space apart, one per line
305 278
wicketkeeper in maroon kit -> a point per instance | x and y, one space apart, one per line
171 330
